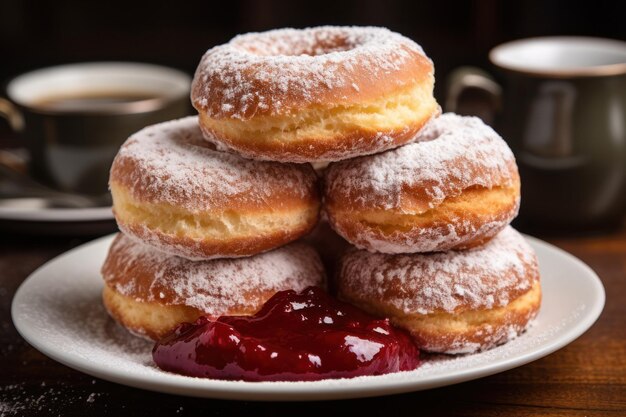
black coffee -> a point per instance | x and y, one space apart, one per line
92 100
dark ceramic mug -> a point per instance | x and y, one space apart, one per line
562 109
73 118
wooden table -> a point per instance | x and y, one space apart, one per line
586 378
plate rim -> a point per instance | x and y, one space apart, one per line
306 390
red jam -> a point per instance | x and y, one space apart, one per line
294 337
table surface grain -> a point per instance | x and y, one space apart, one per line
586 378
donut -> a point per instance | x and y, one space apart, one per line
450 302
175 191
455 188
149 292
318 94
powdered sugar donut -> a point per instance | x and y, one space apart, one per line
318 94
452 302
149 292
173 190
454 188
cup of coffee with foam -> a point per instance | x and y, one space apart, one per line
73 118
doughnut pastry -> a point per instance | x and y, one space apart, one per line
149 292
317 94
454 188
450 302
173 190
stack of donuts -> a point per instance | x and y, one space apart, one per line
213 208
437 254
204 232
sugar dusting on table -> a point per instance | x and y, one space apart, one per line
20 399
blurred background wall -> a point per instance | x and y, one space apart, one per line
176 33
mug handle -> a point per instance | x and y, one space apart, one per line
464 78
12 115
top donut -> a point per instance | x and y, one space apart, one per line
318 94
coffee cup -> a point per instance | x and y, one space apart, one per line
73 118
562 109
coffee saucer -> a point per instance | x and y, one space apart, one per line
58 221
56 214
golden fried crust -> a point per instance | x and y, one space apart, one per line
149 292
416 70
207 235
454 188
410 194
323 146
211 235
173 190
153 320
171 163
461 222
150 320
316 94
452 302
269 179
287 71
464 332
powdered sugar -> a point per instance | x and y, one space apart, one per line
171 163
254 72
215 287
485 277
451 153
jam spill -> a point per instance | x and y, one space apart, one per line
294 337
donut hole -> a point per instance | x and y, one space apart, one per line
297 43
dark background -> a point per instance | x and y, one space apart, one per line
35 34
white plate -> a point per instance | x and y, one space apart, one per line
57 214
58 310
